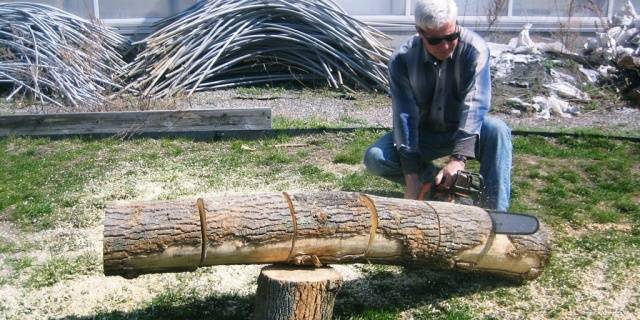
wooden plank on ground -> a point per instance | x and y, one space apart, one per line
137 123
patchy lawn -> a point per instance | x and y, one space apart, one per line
52 193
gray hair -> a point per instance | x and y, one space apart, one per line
433 14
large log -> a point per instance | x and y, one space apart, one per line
312 228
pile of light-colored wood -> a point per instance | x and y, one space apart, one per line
56 56
225 43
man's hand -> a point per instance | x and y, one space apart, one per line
449 171
413 186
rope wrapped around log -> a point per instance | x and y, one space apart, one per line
312 228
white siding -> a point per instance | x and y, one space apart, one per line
474 8
83 8
137 16
617 5
560 8
125 9
377 7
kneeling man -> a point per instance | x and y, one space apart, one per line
441 92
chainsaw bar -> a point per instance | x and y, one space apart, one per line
513 223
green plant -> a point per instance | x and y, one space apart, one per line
60 268
20 264
353 151
313 174
315 123
8 246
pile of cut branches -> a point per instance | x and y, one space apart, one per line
226 43
55 56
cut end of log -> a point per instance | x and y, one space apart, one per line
288 273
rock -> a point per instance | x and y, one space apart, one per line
524 44
629 10
554 105
562 76
606 70
629 62
555 47
497 49
563 86
623 51
626 35
621 39
520 106
627 16
567 90
503 64
592 75
518 84
591 45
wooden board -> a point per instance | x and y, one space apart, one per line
137 123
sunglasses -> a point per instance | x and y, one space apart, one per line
434 41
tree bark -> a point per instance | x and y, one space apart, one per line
296 293
312 229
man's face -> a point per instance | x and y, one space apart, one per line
440 42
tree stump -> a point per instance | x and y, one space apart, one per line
296 293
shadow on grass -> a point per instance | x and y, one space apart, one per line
382 294
167 306
388 292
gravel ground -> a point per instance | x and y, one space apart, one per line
359 109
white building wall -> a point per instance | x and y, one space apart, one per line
83 8
388 15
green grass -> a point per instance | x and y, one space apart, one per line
20 264
314 175
183 304
455 312
59 269
362 181
580 180
315 123
352 152
38 176
186 304
8 246
373 315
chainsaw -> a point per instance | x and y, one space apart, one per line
468 189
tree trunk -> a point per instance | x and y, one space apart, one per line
296 293
312 228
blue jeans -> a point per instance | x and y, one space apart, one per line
493 151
